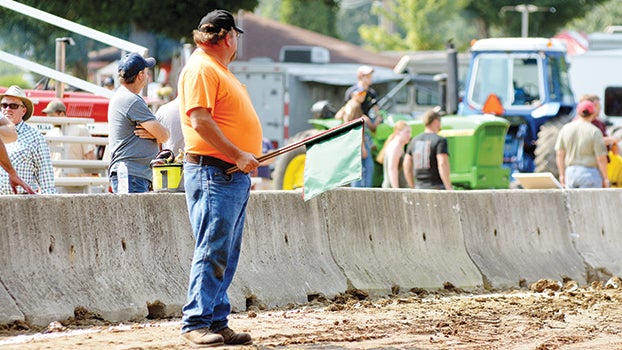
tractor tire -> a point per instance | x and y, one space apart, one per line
545 155
289 167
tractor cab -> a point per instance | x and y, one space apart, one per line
525 76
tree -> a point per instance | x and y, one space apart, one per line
428 24
319 15
597 20
269 9
490 19
352 15
174 19
418 25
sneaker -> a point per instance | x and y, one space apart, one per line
204 337
233 338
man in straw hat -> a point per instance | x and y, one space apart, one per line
30 154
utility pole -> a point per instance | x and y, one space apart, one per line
525 10
61 48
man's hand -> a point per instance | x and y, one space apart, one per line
143 133
15 181
606 183
246 162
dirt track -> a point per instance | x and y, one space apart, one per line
547 317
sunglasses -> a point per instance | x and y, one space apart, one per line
11 105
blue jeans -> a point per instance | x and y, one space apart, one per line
368 169
583 177
217 209
135 184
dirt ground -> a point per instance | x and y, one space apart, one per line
547 316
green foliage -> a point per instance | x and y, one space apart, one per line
14 79
350 19
428 24
35 40
318 16
508 23
600 18
269 9
11 75
173 18
419 25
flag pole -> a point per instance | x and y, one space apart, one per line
346 126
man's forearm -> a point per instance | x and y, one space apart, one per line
209 131
443 170
408 172
444 173
561 165
602 166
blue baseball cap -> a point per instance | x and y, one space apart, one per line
133 63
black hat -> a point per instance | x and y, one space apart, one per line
216 20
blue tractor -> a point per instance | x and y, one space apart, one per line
524 80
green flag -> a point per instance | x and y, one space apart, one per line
333 159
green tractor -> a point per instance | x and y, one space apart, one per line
475 144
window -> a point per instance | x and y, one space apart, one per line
613 101
515 80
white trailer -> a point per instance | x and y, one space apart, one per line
283 93
597 71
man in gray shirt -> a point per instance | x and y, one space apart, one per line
134 131
168 115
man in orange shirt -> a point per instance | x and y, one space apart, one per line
221 129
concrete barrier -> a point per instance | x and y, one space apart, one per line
109 254
9 312
517 237
596 224
285 252
126 256
410 239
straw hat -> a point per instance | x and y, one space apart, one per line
16 91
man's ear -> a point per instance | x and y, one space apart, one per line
229 38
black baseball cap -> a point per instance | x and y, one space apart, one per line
216 20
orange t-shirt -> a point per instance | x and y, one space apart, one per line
205 83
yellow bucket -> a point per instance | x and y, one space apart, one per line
167 177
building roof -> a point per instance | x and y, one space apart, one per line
264 38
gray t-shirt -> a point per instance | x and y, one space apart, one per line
582 142
125 111
168 115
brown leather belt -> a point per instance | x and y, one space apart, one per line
208 160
